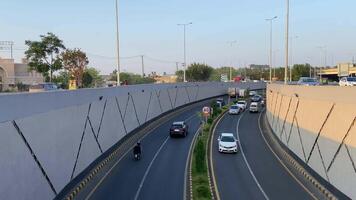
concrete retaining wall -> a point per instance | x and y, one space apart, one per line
47 139
317 124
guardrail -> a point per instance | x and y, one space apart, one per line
48 138
317 124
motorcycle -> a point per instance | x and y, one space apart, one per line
137 156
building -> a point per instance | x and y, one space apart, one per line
165 78
259 67
12 73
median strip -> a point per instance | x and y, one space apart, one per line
201 185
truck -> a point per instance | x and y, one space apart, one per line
242 92
232 92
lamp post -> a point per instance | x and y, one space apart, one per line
287 45
184 48
322 50
231 43
271 47
117 42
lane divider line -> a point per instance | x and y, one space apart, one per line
247 164
299 168
149 168
188 167
281 162
150 130
213 177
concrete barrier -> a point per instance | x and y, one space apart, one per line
47 139
317 124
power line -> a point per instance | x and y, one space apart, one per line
160 60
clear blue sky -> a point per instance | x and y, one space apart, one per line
149 27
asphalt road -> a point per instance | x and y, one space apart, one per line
262 176
160 174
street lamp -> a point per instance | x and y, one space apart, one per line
270 47
185 55
231 44
287 45
322 48
117 42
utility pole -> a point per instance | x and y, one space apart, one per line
270 47
184 47
230 68
117 43
177 63
7 45
142 66
287 45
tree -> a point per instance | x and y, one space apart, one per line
92 78
62 79
199 72
300 70
75 62
43 56
132 79
180 74
216 75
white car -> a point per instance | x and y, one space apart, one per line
252 93
227 143
254 107
347 81
242 105
234 110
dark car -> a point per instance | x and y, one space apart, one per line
178 129
256 98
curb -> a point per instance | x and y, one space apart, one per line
299 168
211 176
123 149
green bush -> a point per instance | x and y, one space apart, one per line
203 191
210 120
200 157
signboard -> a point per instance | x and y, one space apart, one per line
206 110
223 78
72 85
343 69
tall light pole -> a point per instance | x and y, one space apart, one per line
185 54
117 42
142 66
274 60
287 45
322 48
271 47
291 56
231 44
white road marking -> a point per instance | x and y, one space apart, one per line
153 159
187 163
211 158
247 164
123 156
149 168
281 162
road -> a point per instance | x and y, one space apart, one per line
261 175
160 174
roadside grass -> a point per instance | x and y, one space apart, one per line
200 180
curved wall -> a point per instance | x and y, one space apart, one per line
318 125
47 139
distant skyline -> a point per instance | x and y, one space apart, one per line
149 27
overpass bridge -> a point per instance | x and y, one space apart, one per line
76 144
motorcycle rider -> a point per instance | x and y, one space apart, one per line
137 150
